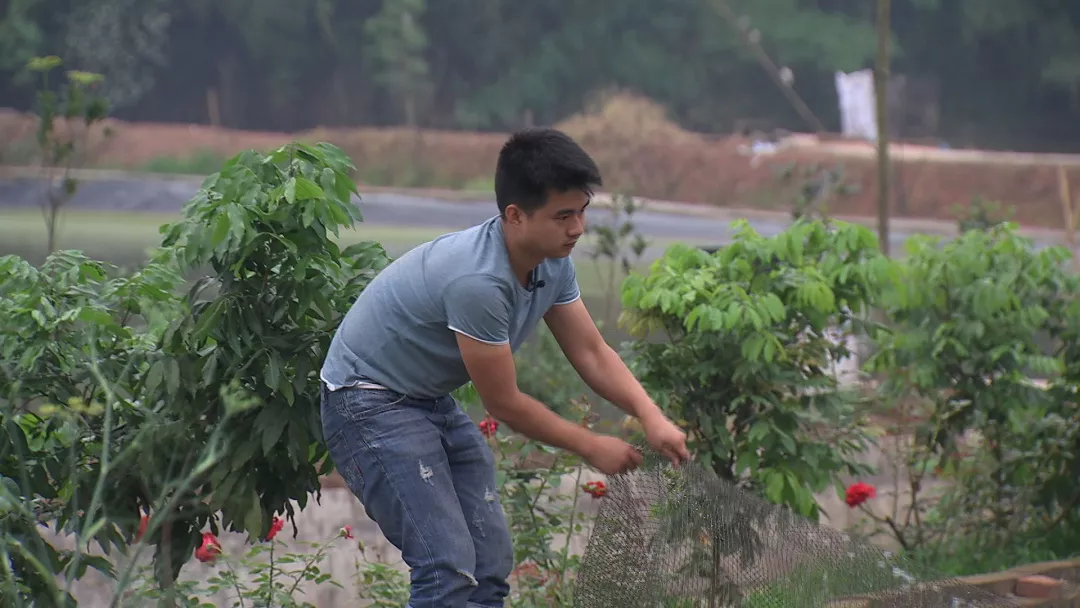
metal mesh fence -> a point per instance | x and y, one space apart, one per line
684 538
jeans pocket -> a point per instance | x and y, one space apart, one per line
358 404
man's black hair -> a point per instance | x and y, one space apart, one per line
536 161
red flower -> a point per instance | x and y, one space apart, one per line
210 548
529 571
275 526
488 426
596 488
346 532
143 522
858 493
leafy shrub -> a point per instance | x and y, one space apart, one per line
118 391
263 318
76 339
750 339
972 319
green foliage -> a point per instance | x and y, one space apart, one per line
619 245
59 150
968 314
972 319
750 345
203 162
261 577
76 339
542 517
981 214
261 226
489 63
816 188
396 53
118 390
382 584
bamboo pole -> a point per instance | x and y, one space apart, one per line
881 88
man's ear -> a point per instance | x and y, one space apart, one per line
514 215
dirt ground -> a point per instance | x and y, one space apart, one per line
638 150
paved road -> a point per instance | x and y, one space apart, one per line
379 208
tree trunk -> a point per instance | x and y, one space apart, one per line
881 84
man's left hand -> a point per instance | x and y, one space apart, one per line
666 438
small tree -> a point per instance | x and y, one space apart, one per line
63 150
618 247
974 320
982 214
277 288
817 189
748 351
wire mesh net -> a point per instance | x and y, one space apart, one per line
684 538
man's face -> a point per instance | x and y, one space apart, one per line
555 228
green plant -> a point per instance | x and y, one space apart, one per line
76 339
982 214
384 585
619 244
201 162
154 382
751 339
816 188
61 150
970 320
261 226
543 518
259 578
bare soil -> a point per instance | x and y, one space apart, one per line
639 152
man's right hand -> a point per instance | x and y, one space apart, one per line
611 455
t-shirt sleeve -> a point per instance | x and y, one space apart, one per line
477 306
569 291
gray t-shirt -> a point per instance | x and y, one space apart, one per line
400 332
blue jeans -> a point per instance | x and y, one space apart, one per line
426 476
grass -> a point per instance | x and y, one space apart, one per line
394 175
201 162
123 239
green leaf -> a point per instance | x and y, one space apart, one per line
305 189
95 316
746 461
221 231
172 376
155 376
758 431
208 320
774 485
272 377
290 191
272 430
253 519
787 441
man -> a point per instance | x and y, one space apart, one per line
454 310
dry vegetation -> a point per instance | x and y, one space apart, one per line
639 150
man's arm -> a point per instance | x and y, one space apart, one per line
491 368
604 371
478 312
597 363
